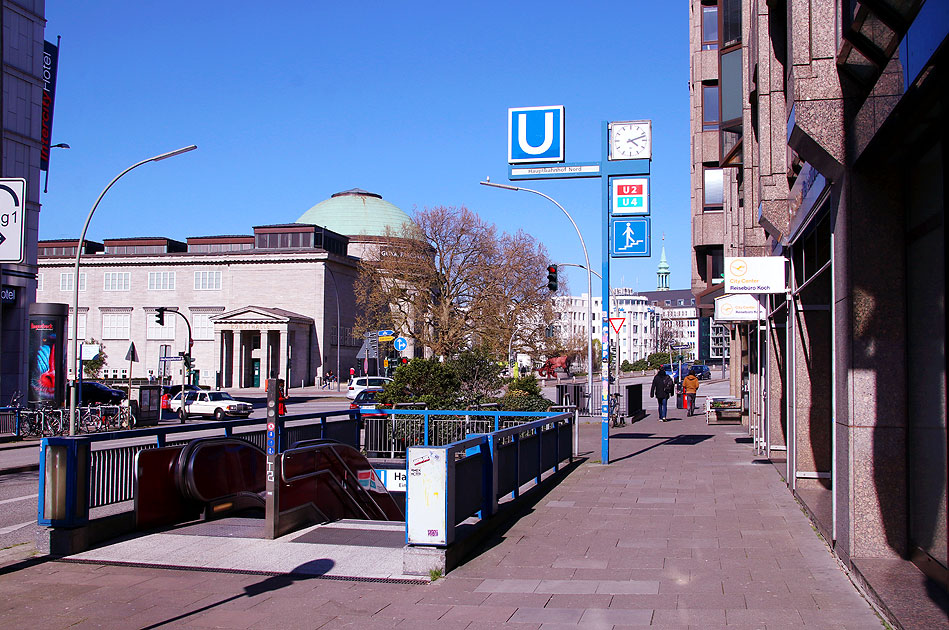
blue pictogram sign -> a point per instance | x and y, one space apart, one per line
629 237
400 344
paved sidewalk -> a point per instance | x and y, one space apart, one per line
682 530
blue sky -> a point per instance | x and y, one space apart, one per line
408 100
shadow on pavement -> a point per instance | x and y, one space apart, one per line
676 440
305 571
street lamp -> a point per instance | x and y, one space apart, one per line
589 280
61 145
75 303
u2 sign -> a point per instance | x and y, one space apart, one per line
535 134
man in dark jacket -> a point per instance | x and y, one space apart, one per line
662 388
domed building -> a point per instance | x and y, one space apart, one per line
275 303
361 215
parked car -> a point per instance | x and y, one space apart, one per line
94 393
367 403
702 372
359 383
168 391
217 405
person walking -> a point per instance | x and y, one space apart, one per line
662 388
690 385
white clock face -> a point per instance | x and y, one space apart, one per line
630 141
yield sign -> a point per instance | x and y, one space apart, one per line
132 354
617 323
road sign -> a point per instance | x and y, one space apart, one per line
386 338
630 196
535 134
171 358
617 323
401 344
12 221
630 237
384 333
132 354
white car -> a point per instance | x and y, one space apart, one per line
359 383
218 405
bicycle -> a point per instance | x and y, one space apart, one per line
616 419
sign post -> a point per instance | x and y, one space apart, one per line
623 170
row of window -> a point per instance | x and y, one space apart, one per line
118 325
121 281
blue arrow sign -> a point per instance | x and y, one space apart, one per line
384 333
400 344
630 237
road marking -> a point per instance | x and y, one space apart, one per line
29 496
13 528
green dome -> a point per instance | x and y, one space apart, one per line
356 212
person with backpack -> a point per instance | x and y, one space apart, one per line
662 388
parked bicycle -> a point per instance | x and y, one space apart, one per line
617 419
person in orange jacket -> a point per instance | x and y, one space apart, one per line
690 385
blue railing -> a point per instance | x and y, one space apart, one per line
451 483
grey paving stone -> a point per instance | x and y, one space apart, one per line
547 615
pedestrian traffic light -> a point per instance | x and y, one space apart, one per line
552 277
160 315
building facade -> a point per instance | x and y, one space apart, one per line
278 303
819 135
22 25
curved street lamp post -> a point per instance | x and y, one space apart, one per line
75 303
589 281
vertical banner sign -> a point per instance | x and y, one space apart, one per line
47 359
50 61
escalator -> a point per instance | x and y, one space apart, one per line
316 481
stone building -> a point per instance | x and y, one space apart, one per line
819 135
22 24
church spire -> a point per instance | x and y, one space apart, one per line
662 273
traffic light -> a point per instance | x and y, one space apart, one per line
552 277
188 361
160 315
404 360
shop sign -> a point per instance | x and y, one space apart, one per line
755 274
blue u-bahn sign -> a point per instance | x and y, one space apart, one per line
535 134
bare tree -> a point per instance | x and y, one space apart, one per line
451 282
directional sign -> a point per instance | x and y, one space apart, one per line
630 195
401 344
12 221
386 338
384 333
629 237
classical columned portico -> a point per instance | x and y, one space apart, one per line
264 343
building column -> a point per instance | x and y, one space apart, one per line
236 363
265 347
283 365
219 362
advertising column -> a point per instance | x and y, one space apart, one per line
47 335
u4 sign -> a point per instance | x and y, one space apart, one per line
535 134
12 221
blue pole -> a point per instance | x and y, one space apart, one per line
605 305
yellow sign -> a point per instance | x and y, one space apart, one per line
385 363
386 338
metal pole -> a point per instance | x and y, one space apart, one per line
338 323
586 258
75 302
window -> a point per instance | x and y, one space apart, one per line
116 325
202 325
207 280
116 281
710 118
82 327
731 22
709 27
66 281
713 188
161 280
154 331
39 282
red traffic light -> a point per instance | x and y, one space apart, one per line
552 277
403 360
